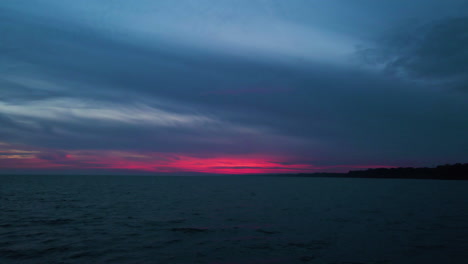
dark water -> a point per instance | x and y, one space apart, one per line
66 219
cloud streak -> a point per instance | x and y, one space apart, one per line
78 110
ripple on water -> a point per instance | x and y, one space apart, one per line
189 230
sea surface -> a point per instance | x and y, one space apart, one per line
231 219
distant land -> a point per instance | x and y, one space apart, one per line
457 171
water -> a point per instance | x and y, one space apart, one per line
117 219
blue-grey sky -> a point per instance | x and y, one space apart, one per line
232 86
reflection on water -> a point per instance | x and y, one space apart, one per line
99 219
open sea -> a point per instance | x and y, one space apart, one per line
231 219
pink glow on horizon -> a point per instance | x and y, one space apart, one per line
167 163
15 157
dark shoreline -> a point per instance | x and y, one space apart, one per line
457 171
443 172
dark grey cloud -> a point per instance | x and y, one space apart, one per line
435 52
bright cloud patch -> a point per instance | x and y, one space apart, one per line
70 109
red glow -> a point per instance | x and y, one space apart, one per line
156 162
14 157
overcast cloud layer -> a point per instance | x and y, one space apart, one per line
245 86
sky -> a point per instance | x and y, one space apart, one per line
231 86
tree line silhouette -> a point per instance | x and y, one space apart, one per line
456 171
